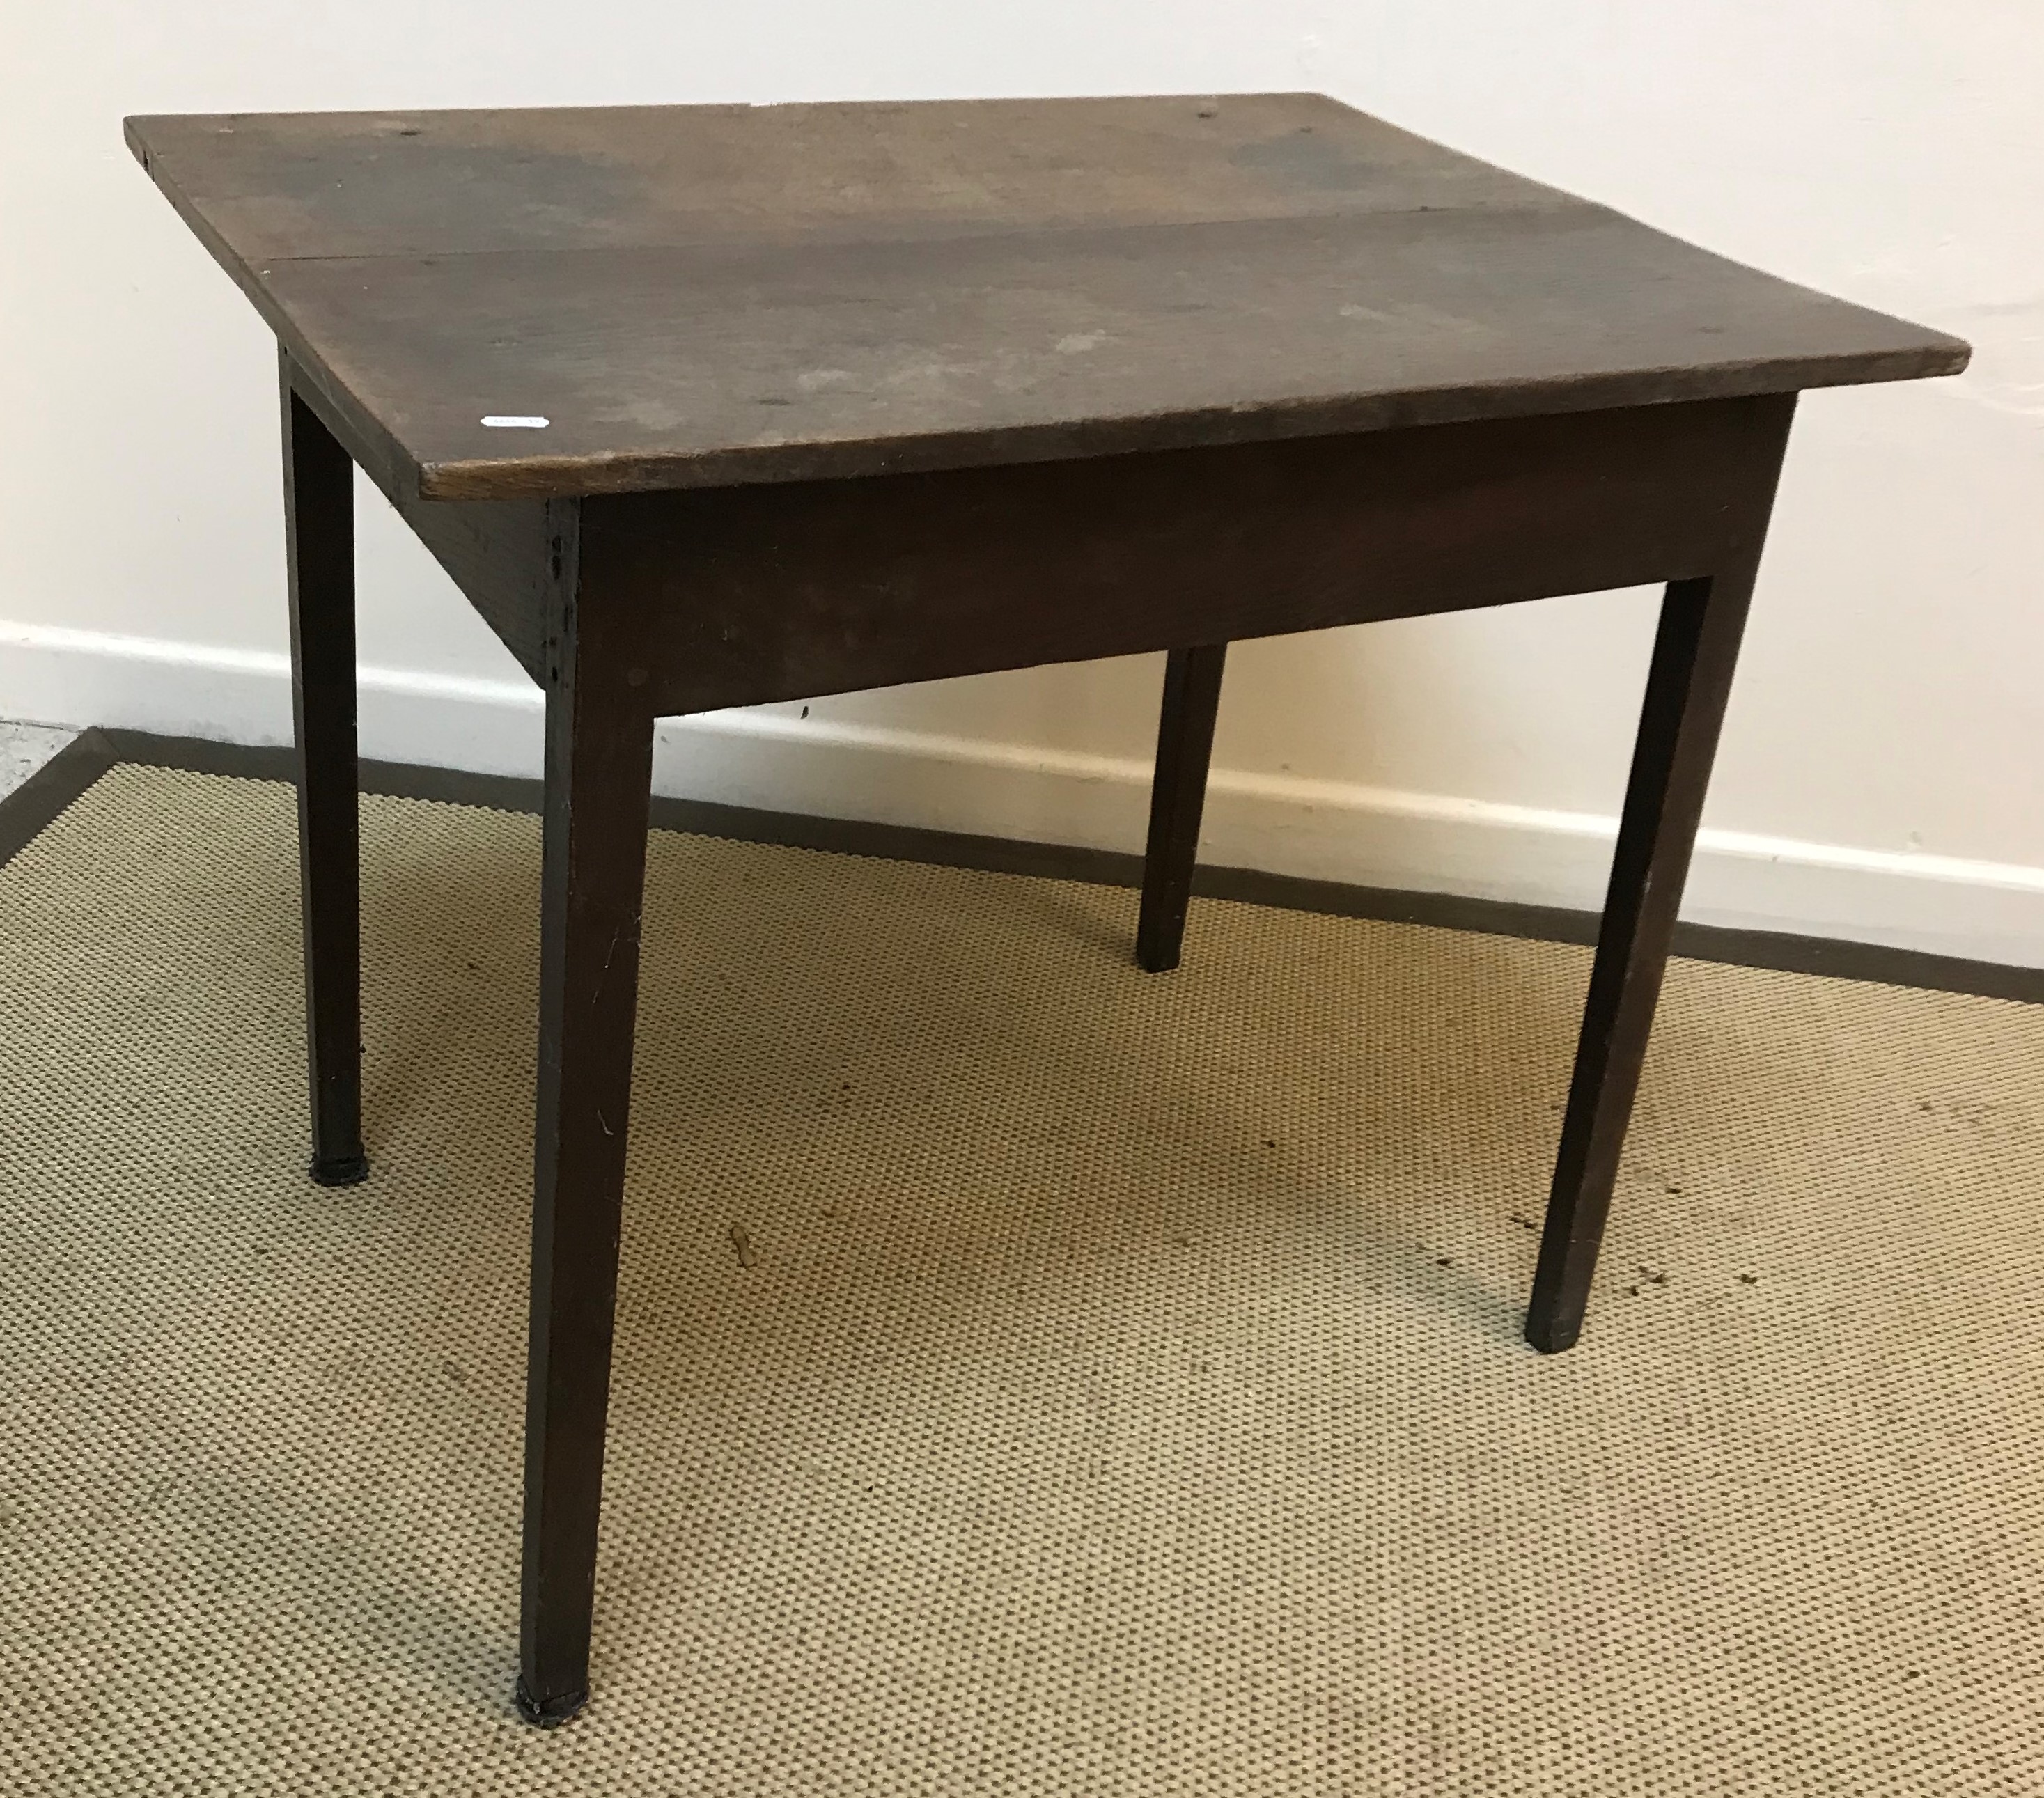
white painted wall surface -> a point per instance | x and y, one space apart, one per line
1880 776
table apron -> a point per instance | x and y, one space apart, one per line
740 595
745 594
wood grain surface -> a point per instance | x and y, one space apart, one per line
698 296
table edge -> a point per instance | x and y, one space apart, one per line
400 474
569 477
382 456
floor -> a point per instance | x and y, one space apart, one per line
1034 1377
24 748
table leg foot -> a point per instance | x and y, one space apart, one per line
1178 797
344 1170
554 1712
1551 1335
1694 656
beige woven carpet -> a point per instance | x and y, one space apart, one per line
1125 1395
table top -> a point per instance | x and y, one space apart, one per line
694 296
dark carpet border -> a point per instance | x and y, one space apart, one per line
40 799
44 795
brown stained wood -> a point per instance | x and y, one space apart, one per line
319 557
576 178
1696 653
1178 797
706 296
783 592
501 554
841 396
506 555
598 778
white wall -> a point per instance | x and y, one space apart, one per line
1880 776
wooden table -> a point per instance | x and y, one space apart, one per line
708 405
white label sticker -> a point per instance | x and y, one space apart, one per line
507 421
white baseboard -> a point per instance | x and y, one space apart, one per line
772 757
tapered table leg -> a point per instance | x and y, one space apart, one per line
1177 796
319 538
1694 654
599 768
